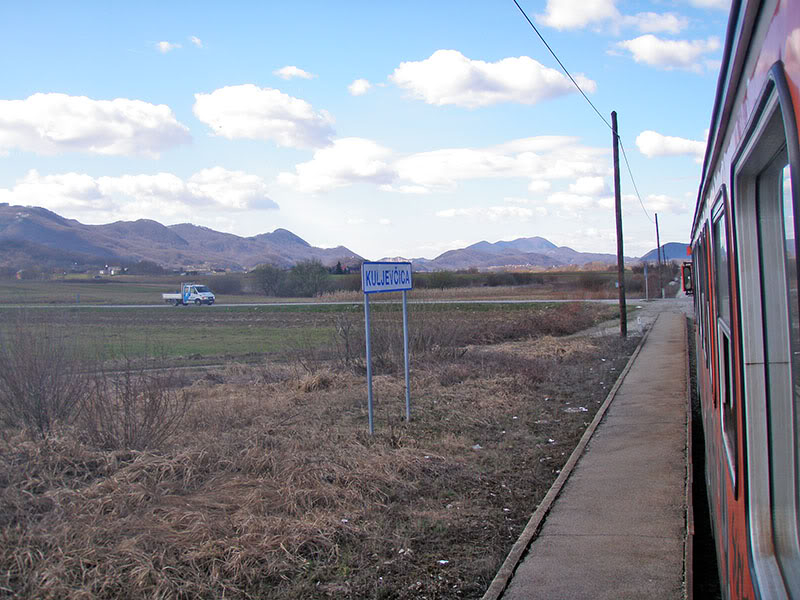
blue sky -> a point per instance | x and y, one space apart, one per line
402 129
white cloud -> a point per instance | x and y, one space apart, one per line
492 213
359 87
577 14
290 71
163 195
650 22
662 203
449 77
165 47
196 41
248 111
669 54
384 221
56 123
720 4
574 14
572 202
405 189
589 186
538 186
345 162
541 159
651 143
235 190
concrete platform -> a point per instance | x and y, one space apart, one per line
618 527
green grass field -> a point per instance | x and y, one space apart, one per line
208 334
144 290
88 291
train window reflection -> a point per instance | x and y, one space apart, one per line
777 239
721 270
790 255
724 350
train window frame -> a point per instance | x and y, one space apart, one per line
772 129
725 396
704 296
709 294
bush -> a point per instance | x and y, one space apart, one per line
146 267
135 407
42 378
269 279
227 284
589 280
308 279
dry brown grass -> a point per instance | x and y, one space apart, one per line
274 489
500 292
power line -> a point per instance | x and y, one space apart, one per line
561 64
633 181
599 114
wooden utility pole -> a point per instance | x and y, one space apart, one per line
623 312
658 251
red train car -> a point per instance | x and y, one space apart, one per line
744 249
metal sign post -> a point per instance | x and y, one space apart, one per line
369 364
405 354
385 277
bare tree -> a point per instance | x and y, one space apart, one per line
269 279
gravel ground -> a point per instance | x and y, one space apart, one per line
643 317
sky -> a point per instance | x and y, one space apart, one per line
395 129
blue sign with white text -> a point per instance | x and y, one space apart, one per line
385 277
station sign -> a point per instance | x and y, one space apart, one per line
385 277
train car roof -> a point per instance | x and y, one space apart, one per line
741 21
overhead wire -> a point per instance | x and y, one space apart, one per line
599 114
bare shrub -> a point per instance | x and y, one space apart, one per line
438 335
41 376
134 407
317 381
567 319
349 339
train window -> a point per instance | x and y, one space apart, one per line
721 270
724 354
777 242
702 274
766 225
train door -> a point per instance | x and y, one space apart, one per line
766 205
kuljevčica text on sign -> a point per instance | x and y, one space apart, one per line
386 277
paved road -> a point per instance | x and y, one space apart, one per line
268 304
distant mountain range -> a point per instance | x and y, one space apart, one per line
520 253
31 236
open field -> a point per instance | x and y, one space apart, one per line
199 335
125 289
271 487
119 290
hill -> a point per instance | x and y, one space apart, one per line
670 251
32 236
532 252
